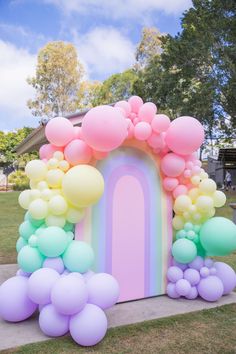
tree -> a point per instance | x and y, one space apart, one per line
57 80
149 47
88 94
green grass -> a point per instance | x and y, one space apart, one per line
208 331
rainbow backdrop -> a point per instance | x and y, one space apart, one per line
130 229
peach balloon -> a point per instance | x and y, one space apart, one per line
59 131
77 152
47 150
172 165
99 155
160 123
184 135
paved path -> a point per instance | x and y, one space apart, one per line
12 335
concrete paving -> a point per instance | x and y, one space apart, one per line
16 334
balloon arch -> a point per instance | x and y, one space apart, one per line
55 276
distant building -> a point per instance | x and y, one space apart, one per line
225 161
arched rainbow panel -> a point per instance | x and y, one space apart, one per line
130 228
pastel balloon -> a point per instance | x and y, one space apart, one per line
40 285
52 323
171 291
83 185
227 275
57 205
178 222
184 135
26 229
172 165
193 293
29 259
25 199
147 112
125 106
36 169
46 151
197 263
207 186
142 131
89 326
38 209
183 287
52 241
170 183
55 220
54 178
78 256
160 123
192 275
156 141
210 288
174 274
59 131
64 165
103 290
15 305
78 152
182 203
77 133
135 102
104 128
218 236
184 251
74 215
180 190
54 263
21 242
69 295
219 199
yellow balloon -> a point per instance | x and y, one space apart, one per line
207 186
38 208
54 178
36 169
55 220
219 199
195 180
33 184
182 203
35 194
46 194
204 203
203 175
83 185
193 193
57 205
42 185
52 163
75 215
58 155
178 222
25 199
64 165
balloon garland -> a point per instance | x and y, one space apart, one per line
55 276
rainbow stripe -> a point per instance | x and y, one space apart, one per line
130 228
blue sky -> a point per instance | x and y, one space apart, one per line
105 33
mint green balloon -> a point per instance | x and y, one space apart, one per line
184 250
26 229
40 229
30 259
69 226
218 236
34 222
21 242
52 241
78 256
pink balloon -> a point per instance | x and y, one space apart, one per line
180 190
77 133
135 102
132 115
136 121
47 150
196 170
104 128
156 141
77 151
147 112
189 165
142 131
160 123
197 163
187 173
172 165
125 106
170 183
185 135
59 131
130 131
99 155
121 110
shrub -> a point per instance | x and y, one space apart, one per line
19 180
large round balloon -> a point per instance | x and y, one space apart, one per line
53 241
59 131
103 290
184 251
78 152
184 135
78 256
218 236
52 323
104 128
15 305
210 288
227 275
172 165
83 185
30 259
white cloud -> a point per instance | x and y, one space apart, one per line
16 65
104 51
121 8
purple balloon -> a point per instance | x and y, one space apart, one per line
227 275
197 263
204 272
179 265
52 323
15 305
183 287
193 294
89 326
69 294
174 274
208 262
192 275
23 274
212 271
171 291
40 285
103 290
54 263
210 288
66 272
88 275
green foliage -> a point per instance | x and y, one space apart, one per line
8 143
57 80
19 180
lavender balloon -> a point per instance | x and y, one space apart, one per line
52 323
192 275
227 276
193 293
183 287
174 274
179 265
54 263
89 326
23 274
15 305
210 288
171 291
197 263
40 285
103 290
